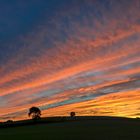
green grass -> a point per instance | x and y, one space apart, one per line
97 129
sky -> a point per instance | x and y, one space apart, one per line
69 55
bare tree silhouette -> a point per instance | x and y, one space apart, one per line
34 112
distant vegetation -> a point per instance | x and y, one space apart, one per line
9 121
35 113
72 114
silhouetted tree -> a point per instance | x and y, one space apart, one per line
72 114
34 112
9 121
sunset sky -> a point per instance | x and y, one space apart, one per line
69 55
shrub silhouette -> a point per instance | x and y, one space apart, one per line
72 114
9 121
34 112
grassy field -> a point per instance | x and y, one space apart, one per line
96 129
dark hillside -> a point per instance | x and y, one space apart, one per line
66 128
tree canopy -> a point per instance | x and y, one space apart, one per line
34 112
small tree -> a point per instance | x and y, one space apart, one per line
72 114
34 112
